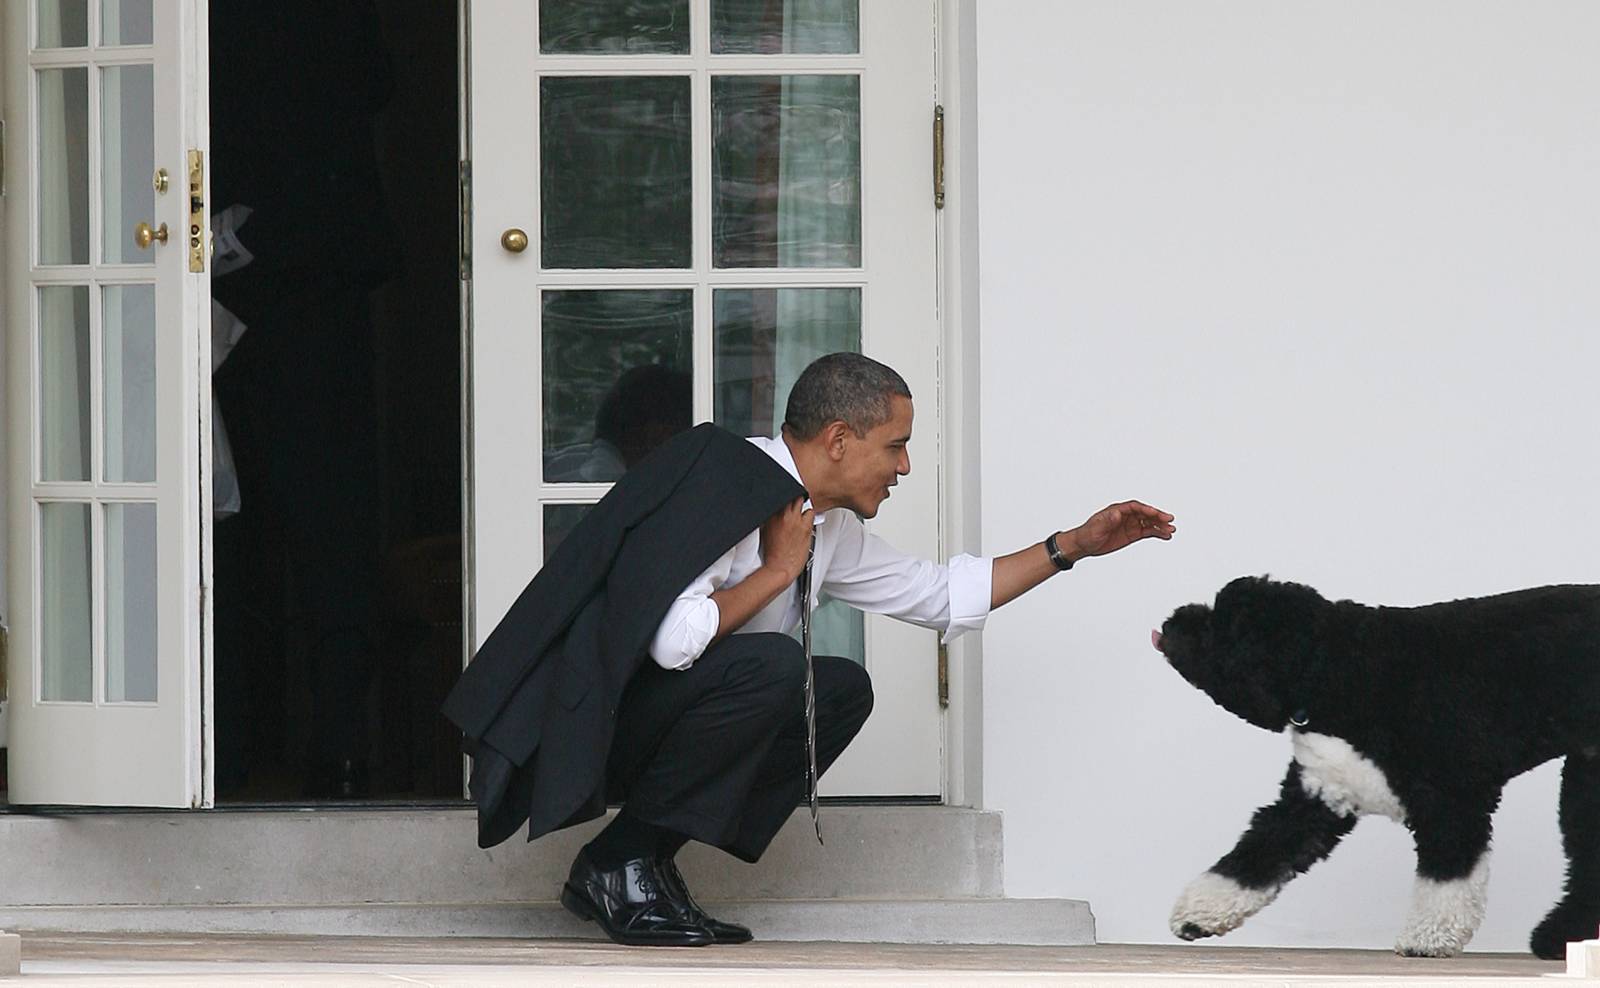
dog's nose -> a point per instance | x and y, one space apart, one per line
1155 639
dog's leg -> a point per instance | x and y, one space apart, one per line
1284 839
1577 915
1448 896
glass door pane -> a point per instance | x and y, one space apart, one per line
128 385
637 27
63 165
785 27
765 337
65 376
131 613
559 521
126 22
786 171
66 613
62 23
620 378
615 161
127 163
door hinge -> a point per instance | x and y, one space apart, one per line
944 676
199 234
465 192
938 157
2 159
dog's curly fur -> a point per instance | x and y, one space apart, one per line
1421 714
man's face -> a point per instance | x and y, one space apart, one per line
873 463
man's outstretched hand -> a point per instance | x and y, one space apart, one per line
1107 530
1119 526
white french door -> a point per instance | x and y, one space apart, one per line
676 205
106 315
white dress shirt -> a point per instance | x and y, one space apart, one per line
850 565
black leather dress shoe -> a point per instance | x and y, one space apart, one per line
631 903
721 931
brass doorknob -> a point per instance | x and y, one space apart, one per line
144 236
514 240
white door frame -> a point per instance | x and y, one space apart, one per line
959 403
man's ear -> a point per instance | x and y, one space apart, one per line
833 435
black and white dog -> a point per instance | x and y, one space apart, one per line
1420 714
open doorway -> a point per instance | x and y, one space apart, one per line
337 373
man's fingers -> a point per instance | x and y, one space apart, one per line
1145 509
1133 521
1147 521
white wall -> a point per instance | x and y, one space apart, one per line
1324 280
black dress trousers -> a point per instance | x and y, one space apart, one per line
716 752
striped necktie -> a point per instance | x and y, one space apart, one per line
811 686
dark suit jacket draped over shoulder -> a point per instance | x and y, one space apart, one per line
538 702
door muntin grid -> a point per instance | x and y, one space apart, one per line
94 336
768 262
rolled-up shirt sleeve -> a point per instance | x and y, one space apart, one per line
871 574
971 591
692 620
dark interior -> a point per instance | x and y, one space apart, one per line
338 576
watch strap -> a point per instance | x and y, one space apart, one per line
1057 557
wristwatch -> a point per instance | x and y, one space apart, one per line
1056 555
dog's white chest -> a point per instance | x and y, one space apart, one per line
1345 780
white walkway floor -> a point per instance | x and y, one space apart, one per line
136 961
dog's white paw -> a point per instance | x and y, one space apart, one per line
1443 948
1444 915
1213 904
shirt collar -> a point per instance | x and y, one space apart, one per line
776 448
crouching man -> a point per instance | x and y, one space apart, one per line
651 662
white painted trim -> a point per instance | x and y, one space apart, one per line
464 245
6 246
196 53
960 500
10 237
13 35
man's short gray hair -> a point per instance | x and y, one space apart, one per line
845 387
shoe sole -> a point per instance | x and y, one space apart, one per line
578 905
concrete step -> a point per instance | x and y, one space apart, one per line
1047 922
426 856
905 874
